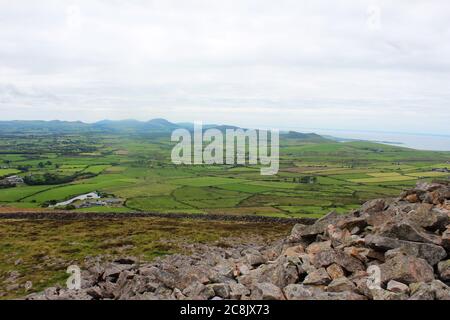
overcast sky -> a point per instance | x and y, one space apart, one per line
372 65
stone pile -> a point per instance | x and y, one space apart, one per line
389 249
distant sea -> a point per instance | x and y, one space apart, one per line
410 140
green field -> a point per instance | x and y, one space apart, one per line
316 176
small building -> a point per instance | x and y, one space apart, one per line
11 180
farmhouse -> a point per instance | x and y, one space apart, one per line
11 180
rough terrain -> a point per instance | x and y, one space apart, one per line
389 249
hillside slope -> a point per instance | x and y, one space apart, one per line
389 249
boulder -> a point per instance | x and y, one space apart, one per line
335 271
381 294
267 291
347 295
444 270
294 251
430 252
403 230
330 256
427 216
317 277
238 290
397 287
319 226
220 289
406 269
446 239
421 291
351 222
254 257
297 292
341 285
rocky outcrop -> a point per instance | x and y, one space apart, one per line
389 249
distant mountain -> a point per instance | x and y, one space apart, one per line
129 126
40 126
303 136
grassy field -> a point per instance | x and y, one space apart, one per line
314 177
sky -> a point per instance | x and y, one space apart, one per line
345 64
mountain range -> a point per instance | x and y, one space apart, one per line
129 126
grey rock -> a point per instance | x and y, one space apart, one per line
221 289
406 269
297 292
317 277
397 287
444 270
267 291
430 252
340 285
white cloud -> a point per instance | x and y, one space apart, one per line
380 65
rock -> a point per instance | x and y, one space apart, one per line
294 251
406 269
254 258
296 233
177 295
198 291
381 294
440 289
319 226
112 271
338 236
373 206
421 291
166 278
335 271
297 292
444 270
242 269
397 287
126 261
446 239
317 277
306 264
379 218
405 231
95 292
328 257
428 217
324 258
338 296
201 274
357 252
225 269
413 198
281 273
221 289
238 290
429 291
430 252
267 291
317 247
350 222
340 285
